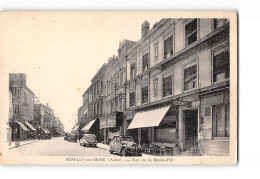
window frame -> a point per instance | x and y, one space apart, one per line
197 31
167 76
164 39
188 65
142 101
212 65
155 86
148 64
133 74
133 100
226 106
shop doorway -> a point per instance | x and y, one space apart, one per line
191 128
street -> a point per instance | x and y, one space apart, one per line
57 147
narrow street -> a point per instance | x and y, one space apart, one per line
57 147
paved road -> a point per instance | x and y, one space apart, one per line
58 147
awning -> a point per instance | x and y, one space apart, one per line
88 126
43 129
47 130
150 118
30 126
76 128
22 126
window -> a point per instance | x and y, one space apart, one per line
167 86
221 63
101 86
190 77
132 99
145 94
132 70
168 47
156 51
220 121
190 31
219 22
155 86
145 62
121 78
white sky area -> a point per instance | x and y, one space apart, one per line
61 52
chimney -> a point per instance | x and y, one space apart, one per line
145 28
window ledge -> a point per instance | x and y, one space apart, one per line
189 90
221 81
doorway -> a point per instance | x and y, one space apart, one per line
191 128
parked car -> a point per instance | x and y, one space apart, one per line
88 140
72 138
124 145
66 137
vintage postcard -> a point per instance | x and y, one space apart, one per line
118 87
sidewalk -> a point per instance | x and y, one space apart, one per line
21 143
103 146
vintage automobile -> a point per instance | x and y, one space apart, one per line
124 145
72 138
88 140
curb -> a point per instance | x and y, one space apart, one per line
24 144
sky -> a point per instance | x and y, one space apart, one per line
61 51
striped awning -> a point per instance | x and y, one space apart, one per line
88 126
22 125
30 126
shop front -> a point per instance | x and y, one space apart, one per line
157 125
92 127
214 131
19 131
110 126
32 133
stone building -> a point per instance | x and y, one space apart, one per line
44 118
21 121
178 85
114 91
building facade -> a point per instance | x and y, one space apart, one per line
170 87
22 105
179 73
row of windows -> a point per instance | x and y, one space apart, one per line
221 63
22 111
191 35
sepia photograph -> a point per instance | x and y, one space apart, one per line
118 87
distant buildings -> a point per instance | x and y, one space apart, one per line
26 118
172 86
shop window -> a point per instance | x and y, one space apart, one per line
145 62
220 121
167 86
219 22
190 31
156 51
168 47
190 78
145 94
132 99
133 70
221 65
155 86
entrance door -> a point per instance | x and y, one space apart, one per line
191 128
